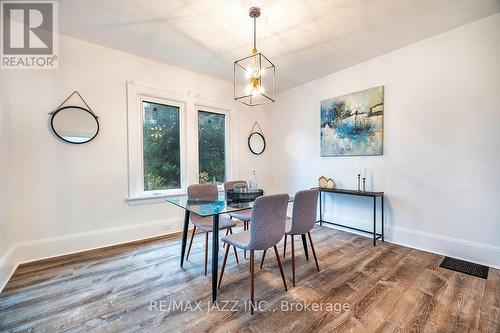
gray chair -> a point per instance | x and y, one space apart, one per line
207 192
243 215
302 221
267 227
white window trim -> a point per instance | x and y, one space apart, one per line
189 107
136 94
227 137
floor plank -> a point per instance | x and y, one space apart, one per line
360 288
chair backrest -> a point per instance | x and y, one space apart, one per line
305 206
202 191
267 225
230 184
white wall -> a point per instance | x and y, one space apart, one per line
6 237
4 227
441 162
72 197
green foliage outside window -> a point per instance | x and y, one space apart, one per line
211 147
162 158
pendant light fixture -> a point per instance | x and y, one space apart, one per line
254 75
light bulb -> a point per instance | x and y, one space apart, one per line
261 89
248 73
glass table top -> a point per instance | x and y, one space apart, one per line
210 206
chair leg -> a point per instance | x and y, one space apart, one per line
235 252
191 242
304 244
245 227
227 233
293 260
206 253
223 265
281 267
236 255
262 261
252 281
312 248
284 248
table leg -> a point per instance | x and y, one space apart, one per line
320 208
374 220
382 198
215 255
184 236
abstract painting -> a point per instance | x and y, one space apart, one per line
352 125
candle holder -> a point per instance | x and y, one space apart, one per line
364 183
359 182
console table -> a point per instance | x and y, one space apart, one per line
373 195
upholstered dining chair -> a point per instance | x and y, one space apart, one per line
207 192
303 219
243 215
301 223
267 227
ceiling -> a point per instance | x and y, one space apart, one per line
304 39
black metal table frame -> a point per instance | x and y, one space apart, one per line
373 195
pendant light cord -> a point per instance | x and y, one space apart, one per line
254 35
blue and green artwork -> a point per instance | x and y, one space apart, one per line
352 125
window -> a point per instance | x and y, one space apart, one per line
161 146
156 142
174 139
211 147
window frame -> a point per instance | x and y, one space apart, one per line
136 96
189 138
181 144
227 148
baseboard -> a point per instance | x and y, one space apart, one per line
483 254
24 252
7 266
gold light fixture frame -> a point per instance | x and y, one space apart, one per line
263 70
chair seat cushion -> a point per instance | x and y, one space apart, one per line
205 223
241 240
244 215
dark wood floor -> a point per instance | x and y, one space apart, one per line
388 288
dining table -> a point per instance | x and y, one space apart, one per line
213 206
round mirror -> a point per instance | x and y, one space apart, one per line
75 124
256 143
